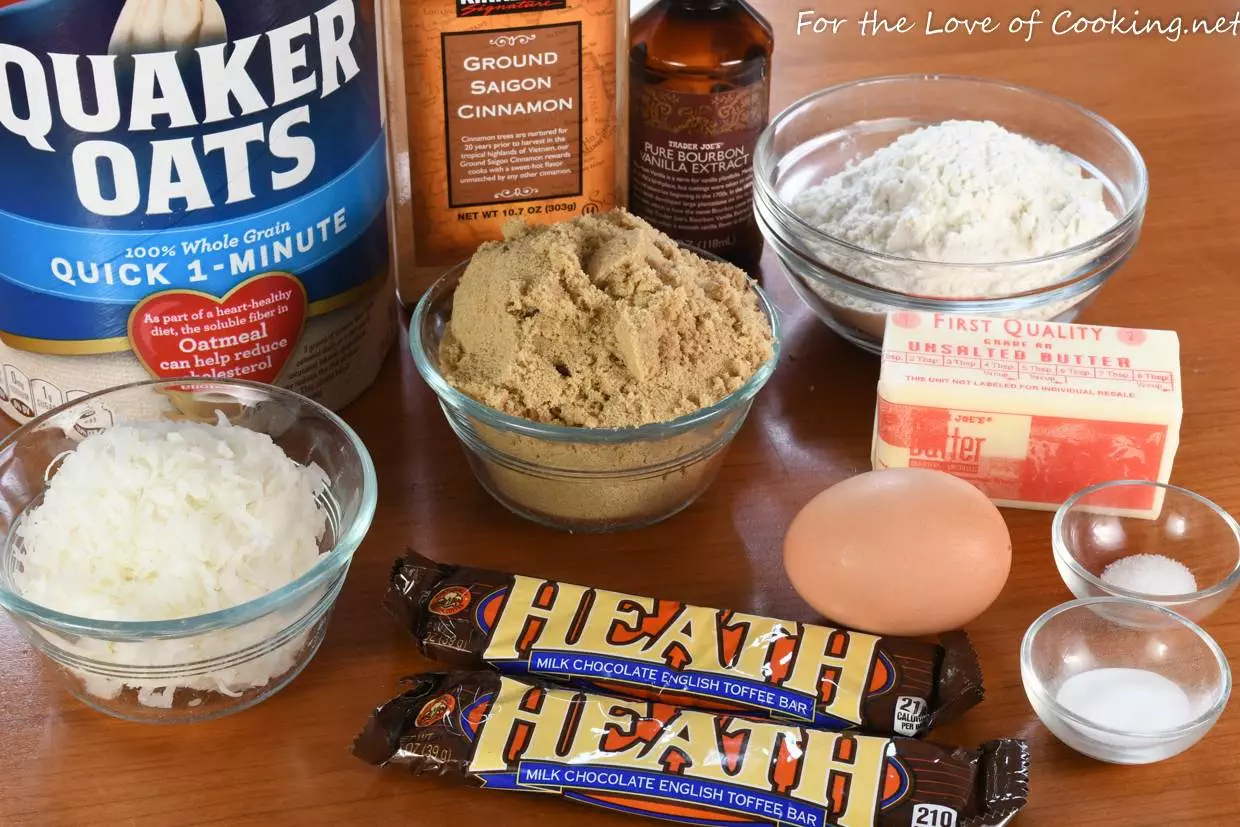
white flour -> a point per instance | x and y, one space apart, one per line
958 192
963 192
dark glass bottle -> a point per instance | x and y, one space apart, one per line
700 74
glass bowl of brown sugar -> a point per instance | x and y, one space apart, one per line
584 479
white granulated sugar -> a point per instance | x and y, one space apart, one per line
1150 574
963 192
168 520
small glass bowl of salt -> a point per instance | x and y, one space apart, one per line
1148 541
1123 681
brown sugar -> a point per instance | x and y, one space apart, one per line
601 322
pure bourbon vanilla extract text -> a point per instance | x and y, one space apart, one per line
700 92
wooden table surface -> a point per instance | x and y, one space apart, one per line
287 761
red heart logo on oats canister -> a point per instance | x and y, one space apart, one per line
250 333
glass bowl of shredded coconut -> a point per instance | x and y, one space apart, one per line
174 550
1186 559
945 194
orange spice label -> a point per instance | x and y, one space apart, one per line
512 114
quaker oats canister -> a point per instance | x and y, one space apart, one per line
191 188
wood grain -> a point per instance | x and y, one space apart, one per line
287 761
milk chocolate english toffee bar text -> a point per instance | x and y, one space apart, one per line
654 759
716 659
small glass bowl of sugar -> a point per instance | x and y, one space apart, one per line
1123 681
1149 541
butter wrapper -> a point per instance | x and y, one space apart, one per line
1030 412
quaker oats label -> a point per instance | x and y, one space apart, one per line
191 188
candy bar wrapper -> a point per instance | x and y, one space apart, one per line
648 648
690 766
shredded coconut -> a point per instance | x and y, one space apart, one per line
958 192
1150 574
168 520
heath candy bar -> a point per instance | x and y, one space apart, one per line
713 659
654 759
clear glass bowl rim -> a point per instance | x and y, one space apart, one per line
1060 544
332 561
764 162
563 433
1034 684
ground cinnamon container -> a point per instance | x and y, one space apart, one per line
513 110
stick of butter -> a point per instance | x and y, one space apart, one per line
1030 412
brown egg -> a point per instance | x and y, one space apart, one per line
906 551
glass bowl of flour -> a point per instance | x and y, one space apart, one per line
946 194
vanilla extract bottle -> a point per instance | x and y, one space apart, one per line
700 74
